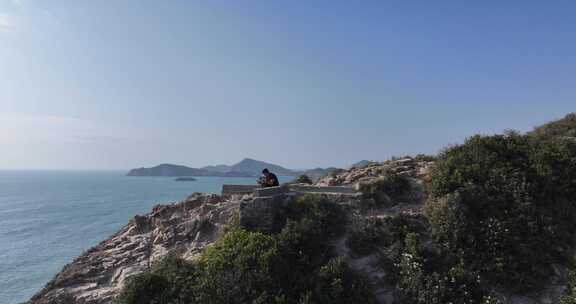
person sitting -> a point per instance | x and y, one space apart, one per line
268 179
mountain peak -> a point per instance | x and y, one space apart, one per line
248 159
256 166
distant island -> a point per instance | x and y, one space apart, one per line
185 179
246 168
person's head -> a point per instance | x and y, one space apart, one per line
265 172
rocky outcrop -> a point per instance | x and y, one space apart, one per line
265 214
97 275
370 171
317 173
187 227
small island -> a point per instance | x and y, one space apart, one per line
185 179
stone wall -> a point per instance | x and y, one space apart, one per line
265 214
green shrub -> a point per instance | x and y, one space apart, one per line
505 205
303 243
302 249
336 283
182 276
172 281
370 234
385 189
293 266
328 216
237 268
425 278
146 288
570 295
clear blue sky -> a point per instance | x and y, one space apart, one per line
121 84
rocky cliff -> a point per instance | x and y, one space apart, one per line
187 227
369 171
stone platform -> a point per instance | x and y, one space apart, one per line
294 188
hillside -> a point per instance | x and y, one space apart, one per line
253 167
245 168
562 127
176 170
487 221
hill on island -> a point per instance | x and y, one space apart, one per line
253 167
246 168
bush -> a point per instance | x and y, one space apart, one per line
570 296
237 269
336 283
146 288
303 243
328 216
505 204
385 189
424 277
369 234
249 267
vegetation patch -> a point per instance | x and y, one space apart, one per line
570 295
559 128
383 191
368 235
501 212
338 284
423 275
505 206
293 266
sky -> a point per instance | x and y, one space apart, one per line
123 84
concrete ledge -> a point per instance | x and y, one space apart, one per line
270 191
238 189
265 214
323 189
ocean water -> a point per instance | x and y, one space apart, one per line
49 218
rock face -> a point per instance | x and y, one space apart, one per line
97 275
265 214
370 171
186 228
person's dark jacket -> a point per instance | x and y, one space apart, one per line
272 180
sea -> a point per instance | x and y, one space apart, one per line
47 218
